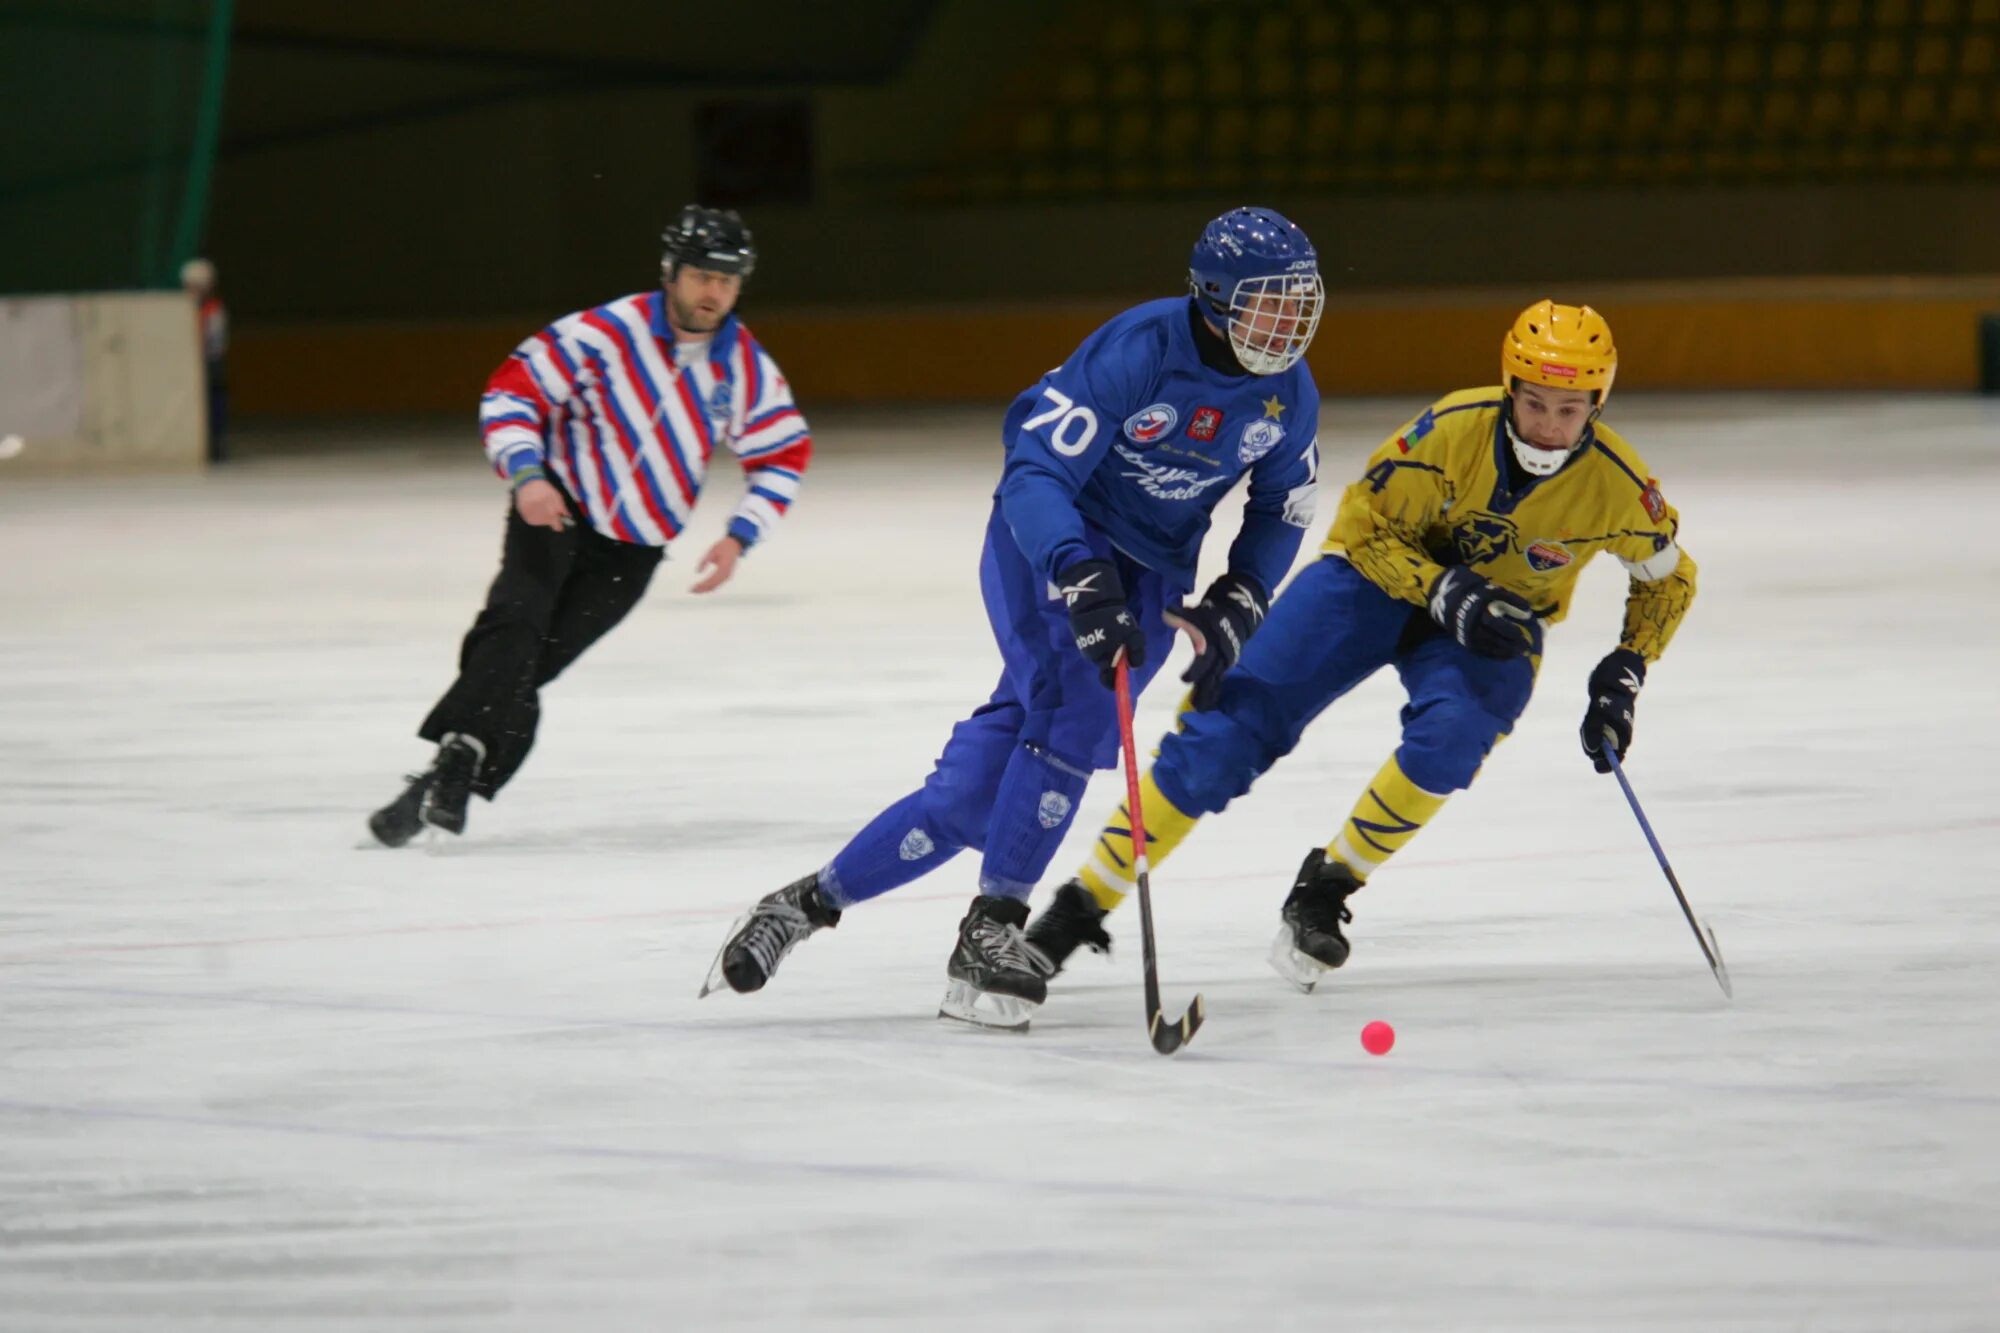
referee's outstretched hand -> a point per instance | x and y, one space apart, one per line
542 505
718 564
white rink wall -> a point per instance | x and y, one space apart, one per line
101 381
254 1076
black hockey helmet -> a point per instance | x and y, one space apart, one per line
710 238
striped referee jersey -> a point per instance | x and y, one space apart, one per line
627 418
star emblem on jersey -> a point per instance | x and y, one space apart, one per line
1273 409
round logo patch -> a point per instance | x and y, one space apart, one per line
1151 423
1544 556
1259 438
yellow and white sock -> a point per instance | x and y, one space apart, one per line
1389 815
1111 872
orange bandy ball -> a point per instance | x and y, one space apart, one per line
1377 1038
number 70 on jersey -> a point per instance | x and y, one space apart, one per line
1073 427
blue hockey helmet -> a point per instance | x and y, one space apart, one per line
1256 275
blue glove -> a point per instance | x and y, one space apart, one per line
1614 693
1228 613
1484 618
1099 620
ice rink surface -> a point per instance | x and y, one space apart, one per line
253 1076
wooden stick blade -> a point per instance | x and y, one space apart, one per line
1170 1037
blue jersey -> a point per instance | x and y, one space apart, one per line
1137 437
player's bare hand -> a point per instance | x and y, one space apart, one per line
542 505
718 564
1196 638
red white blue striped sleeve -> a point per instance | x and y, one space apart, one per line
603 402
770 438
523 400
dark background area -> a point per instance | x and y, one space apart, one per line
402 160
376 164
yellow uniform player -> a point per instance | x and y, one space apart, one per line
1460 542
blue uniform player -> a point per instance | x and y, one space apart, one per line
1461 540
1115 461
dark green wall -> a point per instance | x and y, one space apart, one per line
530 205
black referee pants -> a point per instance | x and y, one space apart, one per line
556 594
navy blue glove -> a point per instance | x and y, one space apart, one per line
1614 693
1228 613
1099 620
1487 619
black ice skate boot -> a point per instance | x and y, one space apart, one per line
1310 944
403 818
1072 920
452 773
994 981
766 933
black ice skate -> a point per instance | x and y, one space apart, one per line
452 773
994 981
1072 920
403 818
766 933
1310 944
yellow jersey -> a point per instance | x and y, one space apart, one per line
1435 494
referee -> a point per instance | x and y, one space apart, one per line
603 424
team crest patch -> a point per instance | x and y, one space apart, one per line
1483 539
916 845
1656 503
1544 556
1205 422
1053 809
1150 424
1259 438
718 402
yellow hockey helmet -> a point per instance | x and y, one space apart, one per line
1561 346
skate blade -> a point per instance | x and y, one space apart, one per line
1301 970
715 981
983 1009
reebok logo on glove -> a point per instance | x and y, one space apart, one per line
1100 622
1228 613
1081 588
1484 617
1614 696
